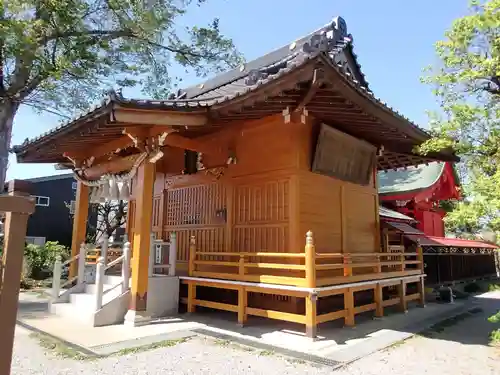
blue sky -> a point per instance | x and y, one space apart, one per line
393 40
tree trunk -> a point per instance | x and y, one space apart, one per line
8 110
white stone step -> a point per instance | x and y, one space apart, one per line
68 310
92 288
86 301
112 279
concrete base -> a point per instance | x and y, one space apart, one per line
136 318
163 296
163 300
113 312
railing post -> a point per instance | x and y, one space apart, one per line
347 265
81 264
420 257
191 269
242 306
56 278
403 304
126 267
310 261
402 260
152 250
192 256
104 247
99 281
311 315
379 301
349 308
241 265
172 254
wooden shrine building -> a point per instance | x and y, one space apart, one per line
416 192
241 167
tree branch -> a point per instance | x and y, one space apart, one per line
70 34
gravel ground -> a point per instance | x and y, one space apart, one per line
460 349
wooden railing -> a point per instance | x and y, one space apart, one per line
94 254
306 269
109 251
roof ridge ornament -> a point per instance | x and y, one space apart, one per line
326 40
339 24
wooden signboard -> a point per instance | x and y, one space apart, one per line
344 157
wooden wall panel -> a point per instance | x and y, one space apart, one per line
361 220
156 220
264 147
198 211
261 216
342 216
320 211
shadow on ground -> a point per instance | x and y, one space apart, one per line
467 317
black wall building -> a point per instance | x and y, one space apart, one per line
52 219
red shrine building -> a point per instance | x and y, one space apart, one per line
410 212
417 192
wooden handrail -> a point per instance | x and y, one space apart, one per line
215 263
353 255
76 257
276 266
339 266
251 254
114 262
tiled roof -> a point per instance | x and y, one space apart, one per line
433 241
391 214
409 179
325 44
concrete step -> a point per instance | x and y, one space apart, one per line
69 311
86 301
112 279
92 288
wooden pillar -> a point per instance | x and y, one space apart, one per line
403 305
242 306
421 292
379 300
141 242
347 265
349 308
385 240
311 314
191 269
377 240
79 224
12 260
343 220
420 257
310 261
